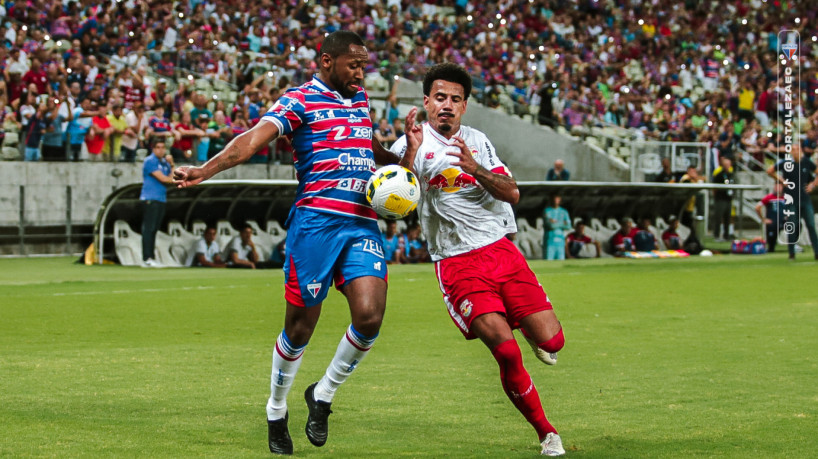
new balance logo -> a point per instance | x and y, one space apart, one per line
352 366
377 266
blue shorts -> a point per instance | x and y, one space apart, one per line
322 248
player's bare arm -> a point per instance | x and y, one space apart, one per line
414 138
500 186
382 155
236 152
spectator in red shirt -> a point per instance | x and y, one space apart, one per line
37 76
99 131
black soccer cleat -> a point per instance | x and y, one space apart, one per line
316 429
278 436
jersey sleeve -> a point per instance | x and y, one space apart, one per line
399 148
488 158
287 113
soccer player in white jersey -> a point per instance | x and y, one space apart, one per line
465 211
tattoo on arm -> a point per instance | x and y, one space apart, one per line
499 186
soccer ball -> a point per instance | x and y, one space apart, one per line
393 191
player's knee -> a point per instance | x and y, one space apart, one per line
554 344
507 352
369 324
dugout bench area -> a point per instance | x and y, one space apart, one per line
264 204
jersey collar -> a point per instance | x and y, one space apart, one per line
324 88
439 137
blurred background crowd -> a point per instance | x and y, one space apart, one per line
94 80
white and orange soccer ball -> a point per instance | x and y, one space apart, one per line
393 191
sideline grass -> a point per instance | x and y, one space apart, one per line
664 358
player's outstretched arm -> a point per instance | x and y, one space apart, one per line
236 152
414 137
500 186
382 155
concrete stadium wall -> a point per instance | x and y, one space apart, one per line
45 188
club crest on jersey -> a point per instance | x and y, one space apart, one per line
314 288
465 308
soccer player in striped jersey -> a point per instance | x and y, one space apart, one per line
333 233
465 212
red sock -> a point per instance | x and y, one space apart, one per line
519 388
554 344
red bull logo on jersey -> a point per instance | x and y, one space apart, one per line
451 180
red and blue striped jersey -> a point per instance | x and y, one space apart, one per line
332 139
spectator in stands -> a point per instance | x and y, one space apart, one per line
156 175
221 133
53 148
77 129
113 144
202 144
622 240
670 237
384 133
726 140
771 211
158 125
723 199
393 243
578 240
186 133
666 174
98 133
556 223
545 114
34 133
208 253
137 123
558 172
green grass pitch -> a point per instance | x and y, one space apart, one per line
664 358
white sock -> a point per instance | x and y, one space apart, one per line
286 360
351 350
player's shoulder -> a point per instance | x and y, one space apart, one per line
470 132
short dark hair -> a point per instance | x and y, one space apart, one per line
337 43
159 139
447 72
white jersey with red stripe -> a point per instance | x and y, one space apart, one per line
457 214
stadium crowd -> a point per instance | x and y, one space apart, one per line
702 71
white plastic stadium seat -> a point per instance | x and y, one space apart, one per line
183 245
276 231
528 240
127 244
198 228
161 250
224 234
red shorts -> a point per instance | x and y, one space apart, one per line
495 278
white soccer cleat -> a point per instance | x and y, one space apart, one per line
548 358
151 263
552 445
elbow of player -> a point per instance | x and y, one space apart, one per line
514 197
